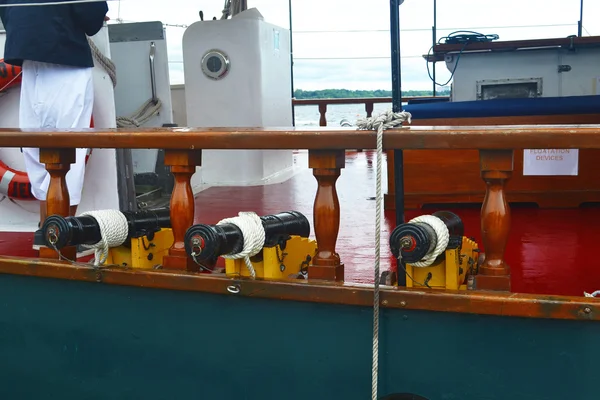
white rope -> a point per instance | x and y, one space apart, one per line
52 3
105 62
253 233
379 123
595 294
142 115
113 230
442 234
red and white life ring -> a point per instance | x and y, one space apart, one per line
10 75
16 185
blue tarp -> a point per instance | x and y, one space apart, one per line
505 107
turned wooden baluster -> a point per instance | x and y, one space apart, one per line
323 112
183 165
496 169
326 165
58 162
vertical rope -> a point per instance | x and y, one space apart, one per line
379 123
375 367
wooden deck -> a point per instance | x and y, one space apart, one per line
549 251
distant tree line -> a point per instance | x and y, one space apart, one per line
345 93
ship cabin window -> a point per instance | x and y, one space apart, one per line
509 89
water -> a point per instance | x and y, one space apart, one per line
309 115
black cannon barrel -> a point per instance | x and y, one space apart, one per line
207 242
73 231
415 240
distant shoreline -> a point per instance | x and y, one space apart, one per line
346 94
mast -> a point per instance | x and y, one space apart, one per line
434 40
397 104
292 63
580 22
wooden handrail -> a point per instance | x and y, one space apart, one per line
349 100
326 157
369 103
313 138
357 100
326 147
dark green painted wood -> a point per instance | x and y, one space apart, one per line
75 340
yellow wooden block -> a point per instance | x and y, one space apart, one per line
449 273
143 253
275 263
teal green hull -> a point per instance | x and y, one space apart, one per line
77 340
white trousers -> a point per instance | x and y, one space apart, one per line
56 97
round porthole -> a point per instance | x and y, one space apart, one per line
215 64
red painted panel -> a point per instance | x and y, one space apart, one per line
549 251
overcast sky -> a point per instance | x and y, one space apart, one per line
336 58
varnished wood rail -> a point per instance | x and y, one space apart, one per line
326 147
369 103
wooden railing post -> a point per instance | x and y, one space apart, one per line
58 162
183 165
496 169
369 105
326 165
323 112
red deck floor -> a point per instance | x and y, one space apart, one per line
549 251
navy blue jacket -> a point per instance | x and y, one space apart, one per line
52 34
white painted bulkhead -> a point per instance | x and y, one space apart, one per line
255 92
131 46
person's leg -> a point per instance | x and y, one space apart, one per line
56 97
29 119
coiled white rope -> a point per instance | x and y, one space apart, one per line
113 230
442 234
253 233
383 121
142 115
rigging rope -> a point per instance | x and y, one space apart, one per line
253 233
142 115
114 230
105 62
383 121
234 7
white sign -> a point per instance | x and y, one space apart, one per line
551 162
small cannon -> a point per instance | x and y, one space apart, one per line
58 232
433 251
207 242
